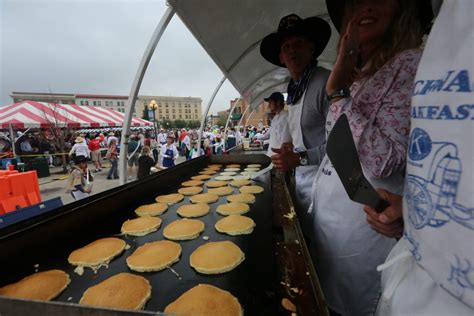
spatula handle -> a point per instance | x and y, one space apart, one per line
381 205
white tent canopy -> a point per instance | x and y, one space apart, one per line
231 32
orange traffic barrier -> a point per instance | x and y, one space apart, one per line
18 189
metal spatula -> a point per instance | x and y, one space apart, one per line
343 155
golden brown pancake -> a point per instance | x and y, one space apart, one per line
242 197
216 257
183 229
213 168
240 183
151 209
223 178
234 165
97 252
221 191
193 210
208 172
204 198
252 189
190 190
201 177
42 286
170 198
215 165
154 256
205 300
235 225
192 183
123 290
215 184
141 226
233 208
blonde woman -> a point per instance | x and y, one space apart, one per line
145 162
371 82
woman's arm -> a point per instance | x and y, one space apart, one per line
379 116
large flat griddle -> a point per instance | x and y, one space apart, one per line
257 282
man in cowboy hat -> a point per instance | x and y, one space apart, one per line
279 132
296 45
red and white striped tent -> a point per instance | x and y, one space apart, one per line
32 114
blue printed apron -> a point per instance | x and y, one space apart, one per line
168 162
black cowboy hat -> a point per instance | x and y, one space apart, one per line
315 29
336 12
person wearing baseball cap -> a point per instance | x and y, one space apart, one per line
279 132
296 45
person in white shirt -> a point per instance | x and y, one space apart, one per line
80 148
279 132
162 137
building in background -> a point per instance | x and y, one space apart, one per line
260 114
63 98
168 108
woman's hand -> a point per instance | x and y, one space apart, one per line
348 54
390 222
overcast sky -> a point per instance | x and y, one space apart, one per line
95 46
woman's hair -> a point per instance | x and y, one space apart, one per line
404 33
145 151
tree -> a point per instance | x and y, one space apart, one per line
194 124
179 123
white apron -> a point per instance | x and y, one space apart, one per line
347 250
304 175
431 270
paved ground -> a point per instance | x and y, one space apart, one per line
57 184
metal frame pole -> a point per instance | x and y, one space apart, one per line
155 38
228 120
203 119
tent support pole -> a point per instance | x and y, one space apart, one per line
206 112
155 38
228 120
12 137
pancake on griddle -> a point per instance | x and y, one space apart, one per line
228 173
201 177
204 198
223 178
151 209
240 183
215 165
216 257
235 225
183 229
233 208
141 226
123 291
97 252
233 165
193 210
192 183
42 286
190 190
242 197
252 189
215 184
169 198
252 169
241 177
232 169
205 300
208 172
221 191
254 165
154 256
